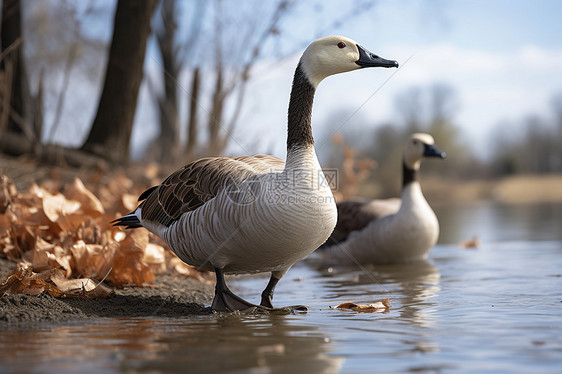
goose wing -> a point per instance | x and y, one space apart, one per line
196 183
354 215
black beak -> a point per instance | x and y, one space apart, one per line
368 60
433 151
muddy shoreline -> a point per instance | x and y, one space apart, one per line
169 296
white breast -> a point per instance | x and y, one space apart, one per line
405 236
272 221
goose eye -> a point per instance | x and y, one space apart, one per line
341 45
415 142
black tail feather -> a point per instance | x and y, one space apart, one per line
130 221
147 193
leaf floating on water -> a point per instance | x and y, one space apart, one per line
382 306
472 243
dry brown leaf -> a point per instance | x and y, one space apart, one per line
26 282
80 256
107 230
57 205
103 260
381 306
91 260
71 223
128 264
120 184
39 258
42 245
129 202
47 256
90 204
24 238
128 268
90 232
151 171
155 257
37 217
5 224
5 193
187 270
60 258
85 287
8 248
135 241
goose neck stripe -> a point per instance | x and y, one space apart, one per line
409 175
299 130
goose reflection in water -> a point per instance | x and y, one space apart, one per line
410 287
217 343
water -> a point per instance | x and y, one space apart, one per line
497 308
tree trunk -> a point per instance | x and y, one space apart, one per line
13 69
190 150
215 117
169 139
111 131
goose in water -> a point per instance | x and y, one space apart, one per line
255 213
391 230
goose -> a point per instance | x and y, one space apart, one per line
388 230
252 214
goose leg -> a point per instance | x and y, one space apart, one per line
267 294
225 300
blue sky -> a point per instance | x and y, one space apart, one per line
503 58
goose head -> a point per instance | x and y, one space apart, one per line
418 147
337 54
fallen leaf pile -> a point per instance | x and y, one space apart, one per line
44 229
382 306
54 283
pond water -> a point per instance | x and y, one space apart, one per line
497 308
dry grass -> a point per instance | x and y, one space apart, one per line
529 189
523 189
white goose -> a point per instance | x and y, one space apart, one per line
391 230
255 213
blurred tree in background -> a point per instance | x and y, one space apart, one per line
207 52
430 110
111 131
233 42
537 149
173 53
16 119
206 56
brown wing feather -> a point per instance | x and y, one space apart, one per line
196 183
354 215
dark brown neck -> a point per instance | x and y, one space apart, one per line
409 175
299 130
